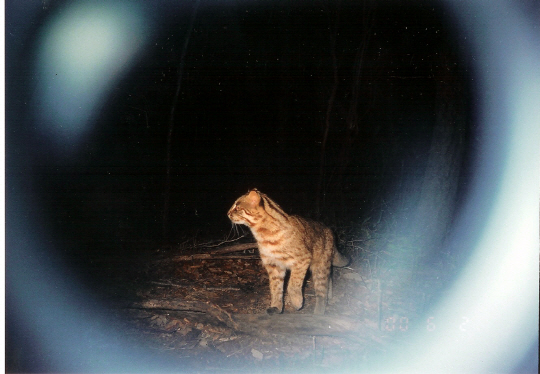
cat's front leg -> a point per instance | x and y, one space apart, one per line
276 274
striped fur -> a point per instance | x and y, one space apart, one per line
288 242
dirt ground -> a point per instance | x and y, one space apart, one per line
379 304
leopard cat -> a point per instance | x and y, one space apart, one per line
289 242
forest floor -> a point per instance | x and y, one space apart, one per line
205 305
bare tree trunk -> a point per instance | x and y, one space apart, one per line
353 117
167 188
438 194
320 188
352 120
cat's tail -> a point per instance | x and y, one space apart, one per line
339 260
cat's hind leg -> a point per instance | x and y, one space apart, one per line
321 279
296 282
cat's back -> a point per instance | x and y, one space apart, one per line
309 233
295 236
308 227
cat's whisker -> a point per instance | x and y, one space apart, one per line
235 232
243 229
231 233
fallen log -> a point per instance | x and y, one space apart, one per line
207 256
168 283
220 251
263 324
234 248
297 324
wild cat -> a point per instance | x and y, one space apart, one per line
289 242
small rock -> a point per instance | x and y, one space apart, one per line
203 343
257 354
352 276
159 321
184 331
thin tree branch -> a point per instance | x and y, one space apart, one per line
167 192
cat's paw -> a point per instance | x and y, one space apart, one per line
320 306
273 310
297 301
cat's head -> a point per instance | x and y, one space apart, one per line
247 209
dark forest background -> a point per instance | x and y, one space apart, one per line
342 111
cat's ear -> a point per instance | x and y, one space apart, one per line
253 197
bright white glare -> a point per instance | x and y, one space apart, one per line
490 318
83 52
84 46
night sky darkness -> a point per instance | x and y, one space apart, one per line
255 88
